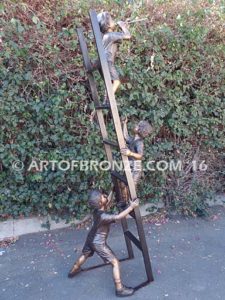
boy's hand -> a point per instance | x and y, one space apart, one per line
125 151
128 210
124 120
134 203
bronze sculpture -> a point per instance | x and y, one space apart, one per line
110 40
97 236
135 152
130 238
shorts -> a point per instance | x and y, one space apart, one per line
113 72
88 250
136 177
105 252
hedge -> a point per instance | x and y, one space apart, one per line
172 75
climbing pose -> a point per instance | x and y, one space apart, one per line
135 153
110 42
96 239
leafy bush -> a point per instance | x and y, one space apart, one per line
173 75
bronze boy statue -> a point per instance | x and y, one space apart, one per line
110 42
96 239
135 152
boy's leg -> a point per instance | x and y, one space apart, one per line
116 274
116 84
124 195
136 177
76 267
108 256
115 80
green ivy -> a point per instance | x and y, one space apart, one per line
173 76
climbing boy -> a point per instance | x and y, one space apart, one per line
97 237
135 153
110 42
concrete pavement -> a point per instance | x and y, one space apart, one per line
188 259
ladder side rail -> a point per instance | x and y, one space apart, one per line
143 243
112 101
121 141
94 92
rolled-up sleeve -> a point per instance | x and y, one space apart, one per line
116 36
108 218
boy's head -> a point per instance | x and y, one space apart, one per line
143 129
97 199
105 21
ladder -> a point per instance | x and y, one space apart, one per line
108 145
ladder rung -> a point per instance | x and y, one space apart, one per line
111 143
95 65
119 176
133 239
91 69
103 106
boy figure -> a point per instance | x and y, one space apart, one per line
110 42
96 239
135 152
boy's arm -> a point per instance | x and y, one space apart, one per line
136 155
124 213
126 32
125 131
117 36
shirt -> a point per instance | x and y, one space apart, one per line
110 43
100 228
136 146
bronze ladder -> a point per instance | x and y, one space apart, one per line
129 237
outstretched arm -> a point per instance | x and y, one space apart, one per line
125 131
110 198
126 32
124 213
118 36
